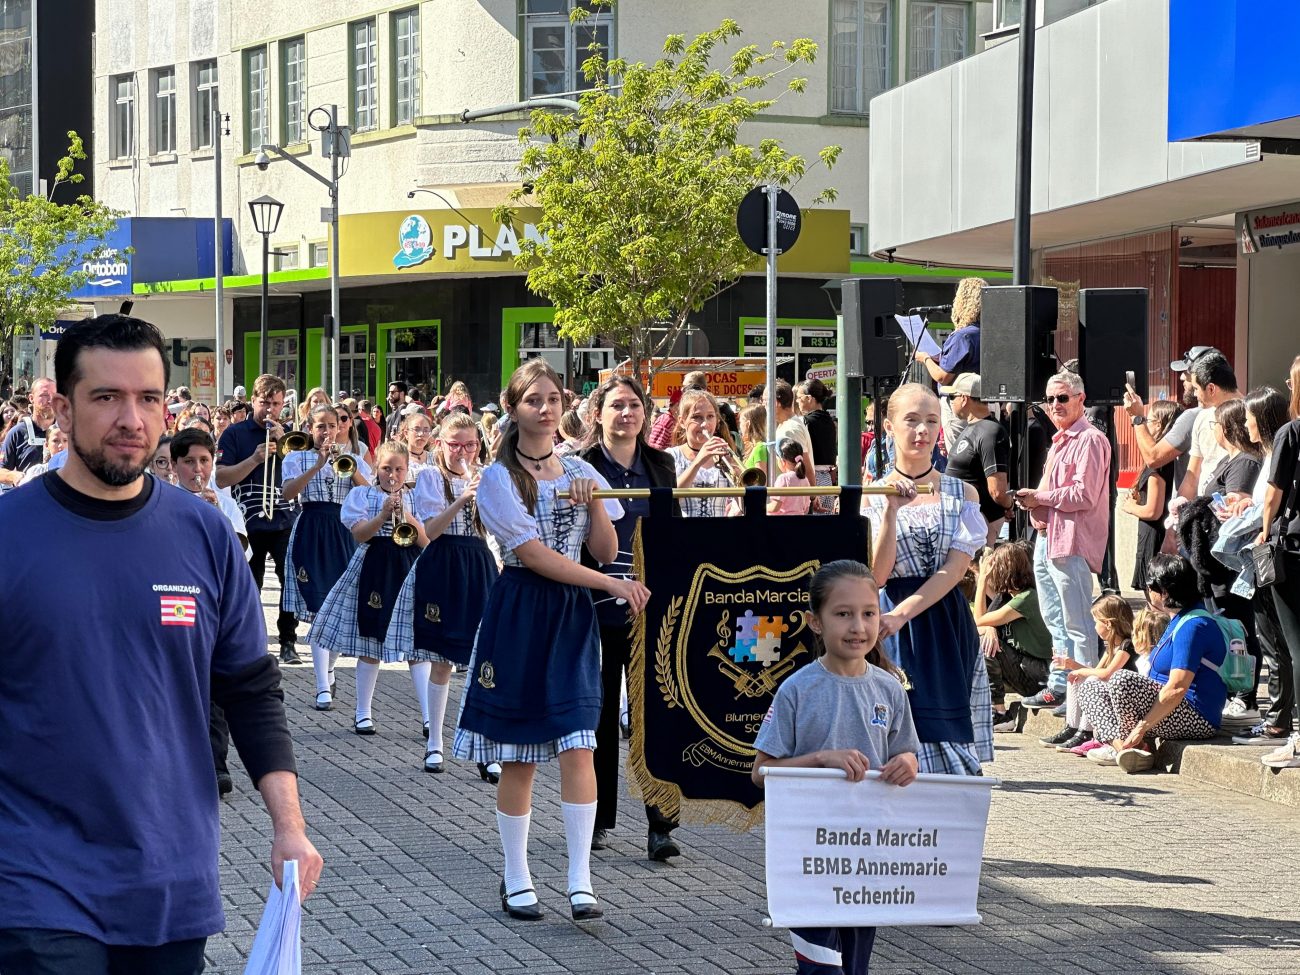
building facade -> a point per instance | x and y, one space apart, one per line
168 74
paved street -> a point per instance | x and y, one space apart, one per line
1086 871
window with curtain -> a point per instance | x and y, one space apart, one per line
164 110
293 89
122 130
365 78
555 48
257 115
406 66
205 103
860 67
936 36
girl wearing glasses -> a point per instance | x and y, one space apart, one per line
441 602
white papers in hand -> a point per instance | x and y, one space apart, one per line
918 337
277 946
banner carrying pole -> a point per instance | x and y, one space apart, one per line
739 492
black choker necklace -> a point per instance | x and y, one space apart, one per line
913 477
537 460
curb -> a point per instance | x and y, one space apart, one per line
1216 762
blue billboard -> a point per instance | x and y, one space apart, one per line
160 249
1228 67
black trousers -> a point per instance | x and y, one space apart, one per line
276 545
1273 650
34 951
219 737
1286 599
1012 670
615 652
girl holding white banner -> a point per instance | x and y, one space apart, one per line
923 544
846 710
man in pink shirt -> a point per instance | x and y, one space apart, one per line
1069 509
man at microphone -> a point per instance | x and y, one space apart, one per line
960 352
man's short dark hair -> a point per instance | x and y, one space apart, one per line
784 395
120 333
400 386
192 437
1213 367
1174 578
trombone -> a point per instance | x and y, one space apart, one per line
268 473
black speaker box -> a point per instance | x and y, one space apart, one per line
873 342
1016 333
1113 343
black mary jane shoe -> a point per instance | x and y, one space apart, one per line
584 912
525 912
487 775
366 726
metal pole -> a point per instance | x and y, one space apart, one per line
1022 256
336 324
218 248
266 295
848 414
772 191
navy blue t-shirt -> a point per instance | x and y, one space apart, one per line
20 451
961 351
610 611
112 630
238 444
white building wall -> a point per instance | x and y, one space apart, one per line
470 57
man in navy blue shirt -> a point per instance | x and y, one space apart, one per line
108 805
24 446
242 466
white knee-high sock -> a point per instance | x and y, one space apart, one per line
437 713
1074 715
514 844
367 678
420 678
579 823
322 663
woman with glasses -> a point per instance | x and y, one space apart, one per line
441 602
161 465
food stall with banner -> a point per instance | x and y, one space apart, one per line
727 378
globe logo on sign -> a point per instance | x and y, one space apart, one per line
416 242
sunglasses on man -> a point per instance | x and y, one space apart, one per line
1061 398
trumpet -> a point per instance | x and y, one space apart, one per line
203 491
293 441
753 477
345 465
404 533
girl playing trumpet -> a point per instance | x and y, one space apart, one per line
702 457
320 546
440 604
354 617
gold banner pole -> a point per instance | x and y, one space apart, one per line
739 492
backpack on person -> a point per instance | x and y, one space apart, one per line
1238 668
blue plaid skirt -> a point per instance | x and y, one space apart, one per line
319 550
441 602
534 677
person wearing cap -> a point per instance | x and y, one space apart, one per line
1214 383
1174 446
981 454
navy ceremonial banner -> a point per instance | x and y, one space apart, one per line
726 624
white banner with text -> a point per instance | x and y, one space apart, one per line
863 854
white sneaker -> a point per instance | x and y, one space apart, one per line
1105 755
1288 756
1133 760
1236 710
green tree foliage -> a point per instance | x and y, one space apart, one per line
639 189
43 246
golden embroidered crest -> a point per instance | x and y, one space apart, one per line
487 675
432 613
376 601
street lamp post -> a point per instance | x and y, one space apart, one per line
336 144
266 212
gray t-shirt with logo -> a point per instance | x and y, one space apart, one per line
815 709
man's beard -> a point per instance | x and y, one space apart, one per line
1189 398
114 475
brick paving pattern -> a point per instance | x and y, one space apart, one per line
1087 872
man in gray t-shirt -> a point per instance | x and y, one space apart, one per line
1176 444
816 710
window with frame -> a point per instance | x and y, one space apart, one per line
293 89
555 47
319 255
205 103
406 66
122 128
936 35
365 77
286 257
164 110
257 115
860 63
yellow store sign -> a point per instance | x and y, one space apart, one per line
421 242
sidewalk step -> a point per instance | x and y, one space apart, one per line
1217 762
